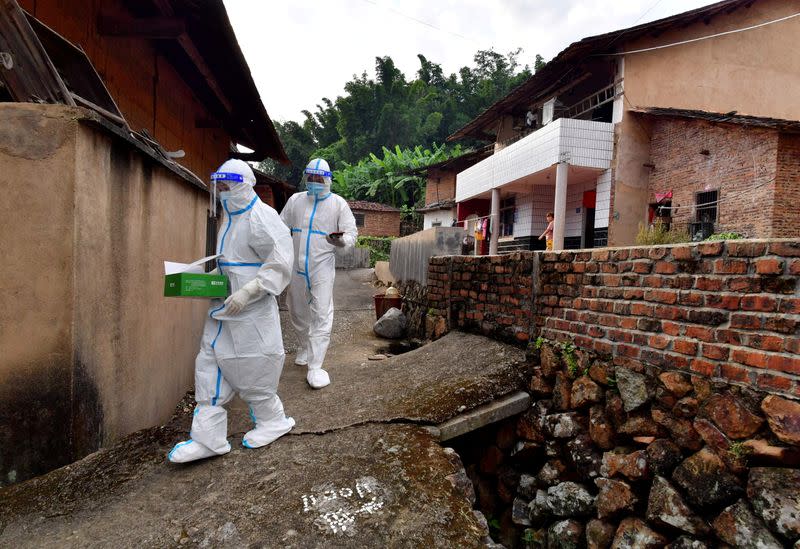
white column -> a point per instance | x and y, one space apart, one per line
560 207
495 219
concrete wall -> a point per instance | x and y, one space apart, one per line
92 350
409 257
35 322
628 200
443 217
352 258
748 72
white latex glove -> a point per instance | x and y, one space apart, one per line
239 299
335 241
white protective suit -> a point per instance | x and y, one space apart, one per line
312 216
242 346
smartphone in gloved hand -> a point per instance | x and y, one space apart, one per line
335 235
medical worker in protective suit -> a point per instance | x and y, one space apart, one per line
242 348
320 222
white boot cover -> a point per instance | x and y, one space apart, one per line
270 421
318 378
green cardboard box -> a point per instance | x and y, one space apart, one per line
195 285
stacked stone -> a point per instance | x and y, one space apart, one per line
629 456
415 307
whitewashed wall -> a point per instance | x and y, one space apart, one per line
445 217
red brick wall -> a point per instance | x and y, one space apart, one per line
379 223
440 186
787 188
740 163
720 309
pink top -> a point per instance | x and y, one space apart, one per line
548 233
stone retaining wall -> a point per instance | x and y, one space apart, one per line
632 456
724 310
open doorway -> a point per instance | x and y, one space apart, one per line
588 228
587 236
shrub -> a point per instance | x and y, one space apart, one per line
658 234
725 236
379 247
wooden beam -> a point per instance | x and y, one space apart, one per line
108 114
197 59
190 49
156 28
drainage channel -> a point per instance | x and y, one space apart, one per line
493 457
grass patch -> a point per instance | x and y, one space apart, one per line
653 235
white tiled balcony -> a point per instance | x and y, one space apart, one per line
581 143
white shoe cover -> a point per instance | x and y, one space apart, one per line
301 358
318 378
270 432
191 450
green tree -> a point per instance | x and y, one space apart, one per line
391 113
386 179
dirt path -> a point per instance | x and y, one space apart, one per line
359 469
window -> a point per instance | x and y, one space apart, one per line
507 211
359 219
706 206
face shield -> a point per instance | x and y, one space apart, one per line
316 178
223 183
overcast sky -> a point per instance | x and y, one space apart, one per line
302 50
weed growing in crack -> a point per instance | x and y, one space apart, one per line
739 450
568 354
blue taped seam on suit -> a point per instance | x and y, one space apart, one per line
308 239
219 381
184 443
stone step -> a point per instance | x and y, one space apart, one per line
497 410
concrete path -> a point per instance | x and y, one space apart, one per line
360 469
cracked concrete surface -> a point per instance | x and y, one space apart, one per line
359 469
